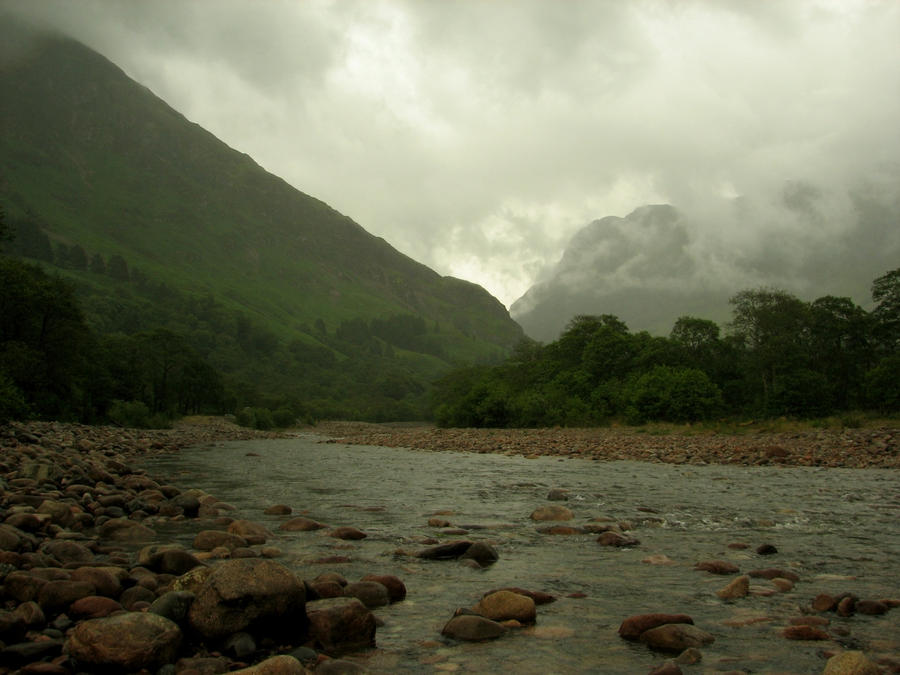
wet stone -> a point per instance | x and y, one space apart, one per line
676 637
472 628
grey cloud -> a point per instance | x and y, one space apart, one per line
478 137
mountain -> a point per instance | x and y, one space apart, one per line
633 267
659 263
91 159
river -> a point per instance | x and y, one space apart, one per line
836 528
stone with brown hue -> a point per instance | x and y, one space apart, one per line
676 637
505 605
370 593
347 532
394 585
634 626
253 595
552 512
738 588
850 663
300 524
283 664
340 625
129 641
717 567
804 632
473 628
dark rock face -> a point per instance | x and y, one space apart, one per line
249 595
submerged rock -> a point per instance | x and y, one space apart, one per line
552 512
473 628
634 626
676 637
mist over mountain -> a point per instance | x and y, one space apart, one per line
159 225
97 159
660 262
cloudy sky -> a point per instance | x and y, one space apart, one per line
478 136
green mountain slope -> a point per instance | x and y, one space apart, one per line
97 160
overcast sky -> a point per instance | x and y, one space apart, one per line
477 136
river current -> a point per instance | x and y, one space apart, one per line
836 528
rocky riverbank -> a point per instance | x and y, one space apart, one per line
848 448
87 583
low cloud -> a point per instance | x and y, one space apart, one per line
479 137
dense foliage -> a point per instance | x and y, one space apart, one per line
780 356
92 338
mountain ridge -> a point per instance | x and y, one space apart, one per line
114 168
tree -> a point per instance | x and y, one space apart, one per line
5 233
839 348
44 341
771 324
886 294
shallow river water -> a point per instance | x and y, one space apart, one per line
836 528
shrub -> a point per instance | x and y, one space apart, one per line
882 390
133 414
284 418
12 402
673 395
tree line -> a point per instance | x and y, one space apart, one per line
780 356
127 349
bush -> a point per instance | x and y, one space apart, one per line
882 390
12 402
134 414
284 418
673 395
256 418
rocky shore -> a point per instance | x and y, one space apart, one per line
847 448
88 585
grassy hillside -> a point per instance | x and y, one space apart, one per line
93 160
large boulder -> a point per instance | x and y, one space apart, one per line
252 595
339 625
124 642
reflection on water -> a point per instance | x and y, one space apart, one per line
836 528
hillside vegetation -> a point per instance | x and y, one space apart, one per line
156 225
780 356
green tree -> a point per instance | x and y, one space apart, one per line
44 341
771 324
840 349
886 294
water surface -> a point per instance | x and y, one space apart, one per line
836 528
